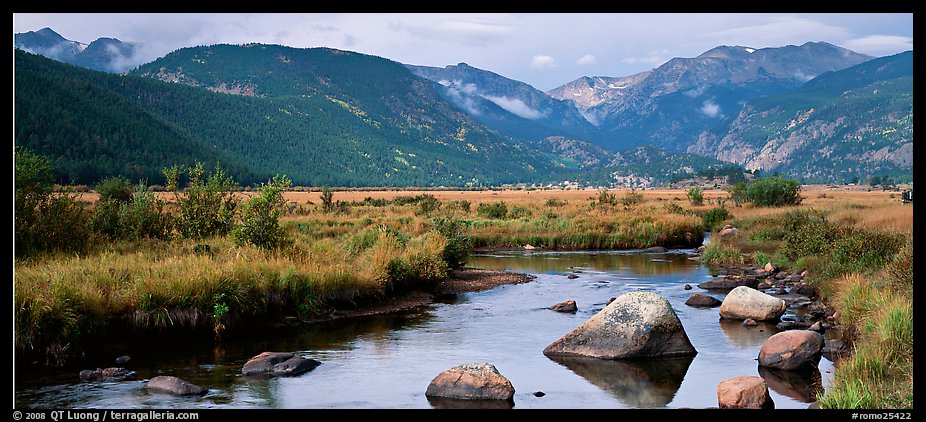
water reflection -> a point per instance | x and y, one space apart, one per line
746 337
566 262
639 383
801 385
445 403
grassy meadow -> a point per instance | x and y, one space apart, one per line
363 246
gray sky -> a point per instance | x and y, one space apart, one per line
544 50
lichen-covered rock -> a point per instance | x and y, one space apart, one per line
568 306
791 350
278 364
472 381
748 303
174 385
744 392
637 324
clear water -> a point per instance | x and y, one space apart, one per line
387 361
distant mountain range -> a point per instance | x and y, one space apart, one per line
815 111
103 54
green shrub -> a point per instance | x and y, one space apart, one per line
44 221
426 205
519 212
606 198
115 188
713 218
631 198
207 206
716 253
862 251
497 210
462 205
774 191
554 202
458 248
367 238
104 218
695 196
260 216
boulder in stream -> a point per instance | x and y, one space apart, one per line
636 324
568 307
791 350
278 364
747 303
744 392
472 381
175 386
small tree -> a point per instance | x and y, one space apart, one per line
458 248
327 199
260 216
695 196
207 206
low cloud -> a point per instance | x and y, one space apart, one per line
586 60
516 106
695 92
462 95
803 77
543 61
710 109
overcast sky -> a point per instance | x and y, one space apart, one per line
544 50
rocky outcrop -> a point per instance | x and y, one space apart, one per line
473 381
791 350
175 386
278 364
568 307
747 303
699 300
744 392
636 324
106 374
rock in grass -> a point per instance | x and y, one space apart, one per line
278 364
568 306
636 324
748 303
744 392
791 350
699 300
472 381
175 386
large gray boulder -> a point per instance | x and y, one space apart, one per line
791 350
278 364
748 303
637 324
472 381
175 386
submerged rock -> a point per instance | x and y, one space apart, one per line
729 283
174 385
791 350
747 303
744 392
568 306
278 364
702 301
636 324
472 381
572 276
106 374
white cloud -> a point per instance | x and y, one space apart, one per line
803 77
777 31
586 60
653 57
879 45
516 106
462 95
542 61
710 109
695 92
